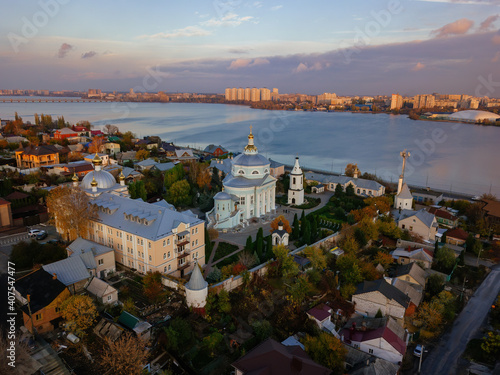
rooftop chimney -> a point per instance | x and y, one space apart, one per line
54 276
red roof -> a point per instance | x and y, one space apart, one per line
3 202
457 233
320 312
442 214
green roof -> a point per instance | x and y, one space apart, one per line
128 320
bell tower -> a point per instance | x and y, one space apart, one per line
296 190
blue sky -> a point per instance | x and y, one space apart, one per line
354 47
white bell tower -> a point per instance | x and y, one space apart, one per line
296 190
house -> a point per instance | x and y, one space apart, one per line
102 291
419 222
320 188
322 316
99 259
427 196
372 296
80 168
456 236
141 328
72 272
106 160
381 337
274 358
276 169
168 148
184 155
414 291
5 214
65 133
444 217
222 165
110 148
163 167
130 174
411 273
491 210
36 156
421 256
357 362
126 156
215 151
148 236
145 165
41 295
302 262
361 186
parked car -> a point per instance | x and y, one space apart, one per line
418 350
41 235
33 232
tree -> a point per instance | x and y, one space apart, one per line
178 193
286 264
249 244
212 342
307 235
71 211
349 244
111 129
428 319
247 259
350 270
350 169
327 350
137 190
179 334
173 175
299 290
339 191
349 191
491 344
286 224
224 305
445 258
129 306
316 256
127 355
296 227
435 284
382 258
262 328
96 144
79 312
142 154
153 288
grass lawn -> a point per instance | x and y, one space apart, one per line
224 249
309 203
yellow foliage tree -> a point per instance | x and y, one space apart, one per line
96 144
327 350
383 259
142 155
127 355
71 211
316 256
80 313
286 224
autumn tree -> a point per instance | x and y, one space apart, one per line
199 174
212 342
286 224
96 144
286 264
316 256
327 350
71 211
299 290
178 193
350 269
127 355
350 169
142 155
153 288
445 258
384 259
173 175
79 312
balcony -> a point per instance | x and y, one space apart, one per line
183 243
181 267
182 255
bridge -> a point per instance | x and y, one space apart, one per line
76 100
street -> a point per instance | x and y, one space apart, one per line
444 358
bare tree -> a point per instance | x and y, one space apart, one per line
111 129
127 355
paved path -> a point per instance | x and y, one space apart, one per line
444 358
13 239
211 262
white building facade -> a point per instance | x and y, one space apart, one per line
296 190
248 190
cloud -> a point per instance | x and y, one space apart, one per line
64 50
188 31
304 67
257 4
496 58
89 54
243 63
487 24
496 39
238 51
230 19
458 27
276 7
418 66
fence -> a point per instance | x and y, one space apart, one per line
174 283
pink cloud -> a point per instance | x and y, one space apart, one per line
243 63
418 66
459 27
496 39
487 24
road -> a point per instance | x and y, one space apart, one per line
444 358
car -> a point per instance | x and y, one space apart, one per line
33 232
41 235
418 350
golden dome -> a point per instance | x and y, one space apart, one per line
122 177
75 177
250 147
94 182
97 160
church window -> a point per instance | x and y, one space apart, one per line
255 172
169 254
242 200
150 258
251 199
241 171
294 180
266 171
169 267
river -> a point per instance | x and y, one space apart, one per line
449 156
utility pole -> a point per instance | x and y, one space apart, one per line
420 361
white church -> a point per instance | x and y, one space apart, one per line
296 190
249 190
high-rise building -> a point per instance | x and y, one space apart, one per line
248 95
255 95
241 94
424 101
265 94
227 94
396 101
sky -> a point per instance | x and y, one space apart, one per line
347 47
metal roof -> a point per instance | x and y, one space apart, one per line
69 271
196 282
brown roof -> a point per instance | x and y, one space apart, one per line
442 214
492 208
3 202
16 195
458 233
40 150
273 358
80 168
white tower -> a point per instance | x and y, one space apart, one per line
296 190
196 289
403 199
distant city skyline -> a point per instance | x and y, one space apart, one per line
355 48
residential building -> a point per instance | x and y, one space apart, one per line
215 151
224 166
72 272
357 362
381 337
149 236
421 256
110 148
185 154
254 95
424 101
491 210
141 328
419 222
361 186
274 358
5 214
102 291
411 273
65 133
396 101
37 156
444 217
372 296
322 316
99 259
41 295
427 196
265 94
456 236
414 291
